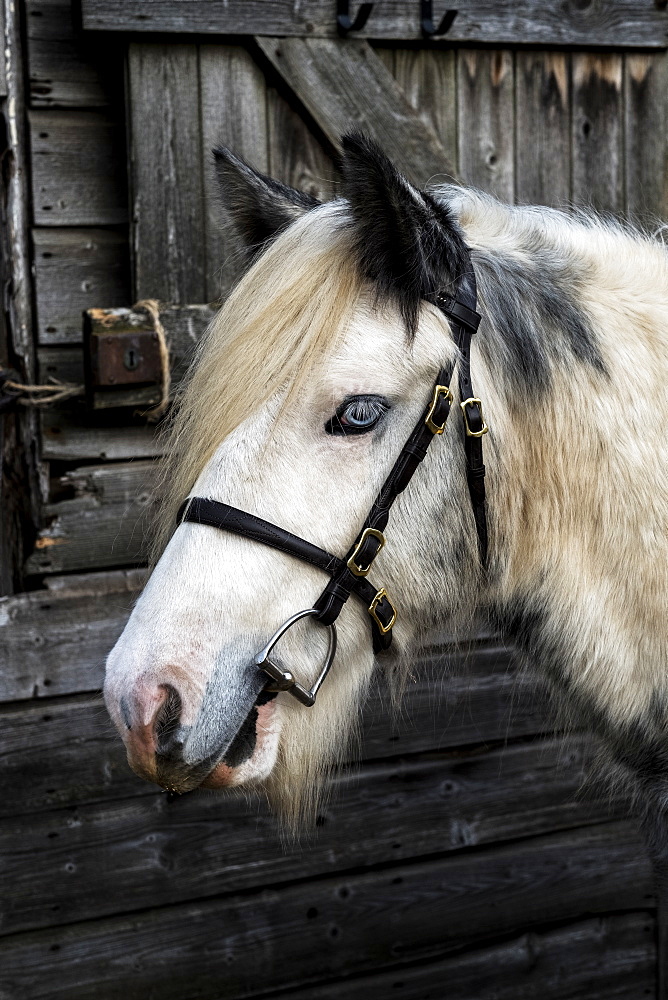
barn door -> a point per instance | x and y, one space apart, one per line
551 125
555 104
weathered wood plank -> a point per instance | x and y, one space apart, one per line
78 169
61 753
344 86
645 136
608 958
166 173
509 22
161 853
66 71
20 491
543 124
233 96
73 434
296 156
66 752
598 122
54 641
486 121
64 363
105 524
3 67
428 79
76 269
353 924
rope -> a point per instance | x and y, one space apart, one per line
152 307
55 391
44 395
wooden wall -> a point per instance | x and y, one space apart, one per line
467 856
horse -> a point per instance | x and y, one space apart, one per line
316 371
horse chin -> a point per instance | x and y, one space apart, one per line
252 754
252 772
238 769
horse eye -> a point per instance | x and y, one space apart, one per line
357 415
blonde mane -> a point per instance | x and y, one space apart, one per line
287 312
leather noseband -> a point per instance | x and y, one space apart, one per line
349 574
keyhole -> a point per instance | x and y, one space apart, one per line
131 359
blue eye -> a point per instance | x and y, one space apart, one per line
357 415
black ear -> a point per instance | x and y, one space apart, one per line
257 207
407 244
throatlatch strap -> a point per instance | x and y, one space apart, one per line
466 322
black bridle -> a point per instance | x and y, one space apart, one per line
349 574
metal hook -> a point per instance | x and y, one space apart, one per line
344 22
429 29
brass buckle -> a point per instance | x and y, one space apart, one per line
367 533
372 611
478 403
439 390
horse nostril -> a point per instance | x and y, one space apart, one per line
166 724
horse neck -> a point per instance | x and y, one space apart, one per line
576 483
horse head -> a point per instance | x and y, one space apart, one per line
313 377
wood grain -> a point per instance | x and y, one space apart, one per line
55 641
296 155
20 467
609 958
508 22
645 136
345 86
167 194
3 65
429 81
148 852
486 122
543 124
183 327
76 269
106 523
336 925
78 169
74 434
598 162
65 70
233 97
63 362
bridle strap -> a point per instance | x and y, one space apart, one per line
465 321
199 510
348 575
365 549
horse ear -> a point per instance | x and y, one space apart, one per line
257 207
407 244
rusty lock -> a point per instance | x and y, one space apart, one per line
126 358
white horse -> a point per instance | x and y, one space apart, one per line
304 391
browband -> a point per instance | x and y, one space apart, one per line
348 575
